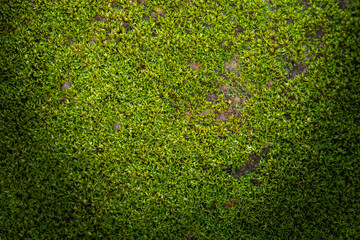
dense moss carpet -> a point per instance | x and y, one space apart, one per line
227 119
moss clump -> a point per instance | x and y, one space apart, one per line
179 119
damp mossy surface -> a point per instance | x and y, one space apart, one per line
180 119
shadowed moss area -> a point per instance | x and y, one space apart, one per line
180 119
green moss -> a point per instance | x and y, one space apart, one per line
179 119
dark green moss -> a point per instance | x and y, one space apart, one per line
179 119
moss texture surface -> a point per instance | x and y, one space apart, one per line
227 119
